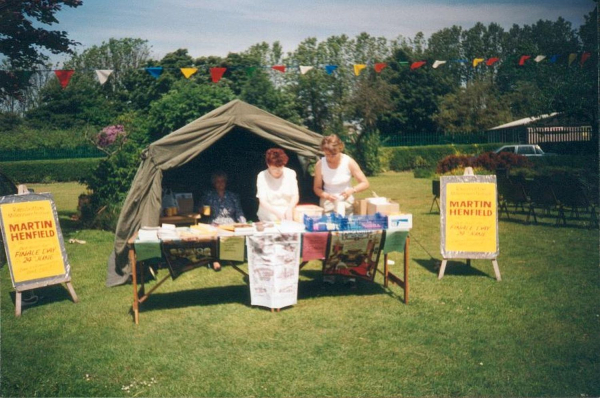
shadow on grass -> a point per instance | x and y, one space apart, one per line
457 267
240 294
45 295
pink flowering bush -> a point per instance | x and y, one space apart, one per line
109 135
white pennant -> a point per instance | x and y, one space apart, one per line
539 58
103 75
304 69
438 63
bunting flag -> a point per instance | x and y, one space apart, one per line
572 57
358 68
438 63
304 69
539 58
103 74
250 70
155 71
280 68
380 66
584 57
188 72
64 76
417 65
523 59
492 61
216 74
477 61
330 69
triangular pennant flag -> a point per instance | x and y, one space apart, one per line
462 61
358 68
155 71
492 61
417 65
572 57
103 75
64 76
23 76
216 74
188 72
380 66
250 70
438 63
554 58
477 61
330 69
304 69
539 58
523 59
280 68
584 57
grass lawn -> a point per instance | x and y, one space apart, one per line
535 333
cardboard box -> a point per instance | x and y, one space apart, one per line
309 210
400 221
185 203
360 207
383 208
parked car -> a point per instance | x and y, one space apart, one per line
523 149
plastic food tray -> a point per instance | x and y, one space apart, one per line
335 222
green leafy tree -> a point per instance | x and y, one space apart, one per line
24 40
186 102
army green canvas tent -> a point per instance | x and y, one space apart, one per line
232 138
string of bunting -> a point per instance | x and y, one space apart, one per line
216 73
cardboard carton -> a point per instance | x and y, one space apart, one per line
360 207
383 208
400 221
309 210
185 203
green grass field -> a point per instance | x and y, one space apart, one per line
535 333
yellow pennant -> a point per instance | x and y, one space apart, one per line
572 57
358 68
187 72
477 61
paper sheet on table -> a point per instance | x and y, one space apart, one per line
232 248
314 245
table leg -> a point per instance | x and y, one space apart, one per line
406 260
132 262
385 270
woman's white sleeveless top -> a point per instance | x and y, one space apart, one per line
339 179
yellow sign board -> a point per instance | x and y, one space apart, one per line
470 219
31 237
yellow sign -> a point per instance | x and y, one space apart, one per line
471 217
32 242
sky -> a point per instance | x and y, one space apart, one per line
218 27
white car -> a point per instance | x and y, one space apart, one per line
525 150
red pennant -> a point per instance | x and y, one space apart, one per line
523 59
584 57
492 61
280 68
380 66
64 76
216 74
418 64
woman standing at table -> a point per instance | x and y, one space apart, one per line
276 188
333 177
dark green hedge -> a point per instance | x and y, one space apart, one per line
409 158
36 171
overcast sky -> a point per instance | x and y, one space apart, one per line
217 27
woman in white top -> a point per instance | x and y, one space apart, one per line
333 177
276 188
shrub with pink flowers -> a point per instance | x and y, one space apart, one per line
110 135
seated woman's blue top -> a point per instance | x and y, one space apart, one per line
224 210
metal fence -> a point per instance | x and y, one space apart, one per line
49 153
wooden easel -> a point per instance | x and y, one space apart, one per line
19 292
494 264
